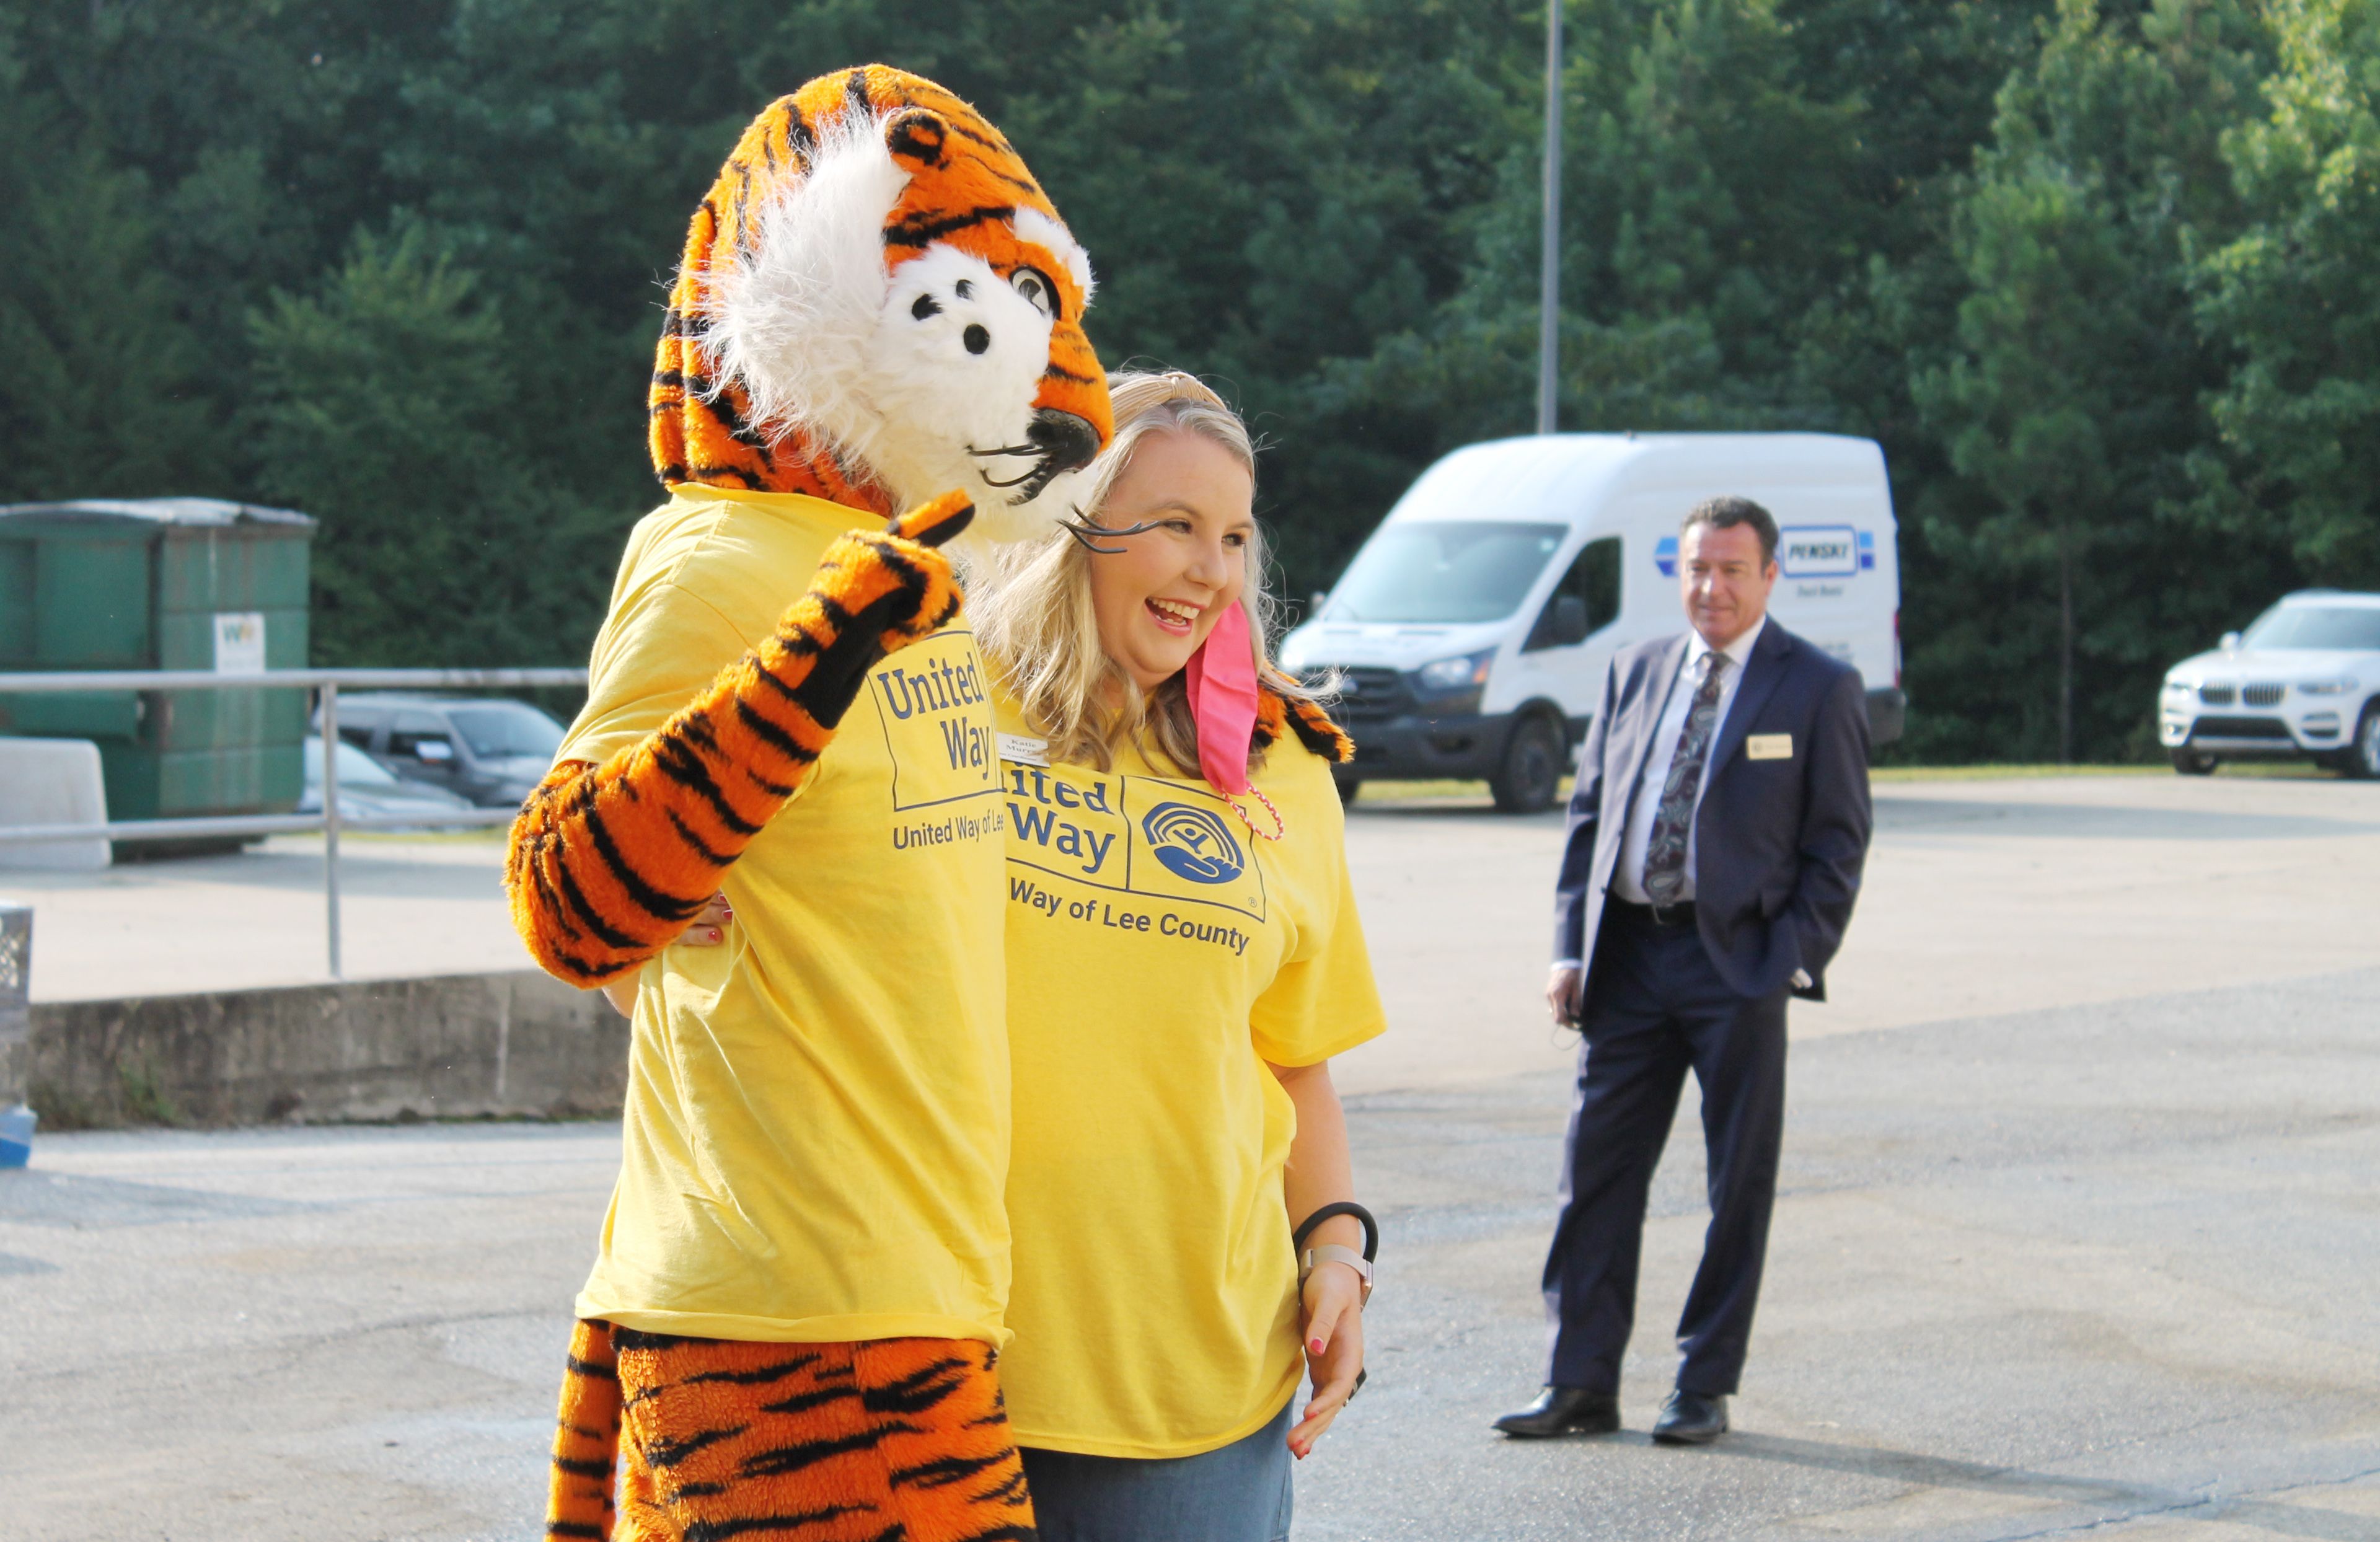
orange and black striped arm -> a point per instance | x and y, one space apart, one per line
609 862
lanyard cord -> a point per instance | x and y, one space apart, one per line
1280 828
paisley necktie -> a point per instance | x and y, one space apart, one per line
1665 855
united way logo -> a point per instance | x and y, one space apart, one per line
1193 844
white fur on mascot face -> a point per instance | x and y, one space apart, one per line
931 375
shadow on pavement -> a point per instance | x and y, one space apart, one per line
80 1203
2055 821
2115 1500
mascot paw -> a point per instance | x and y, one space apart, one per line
895 587
935 523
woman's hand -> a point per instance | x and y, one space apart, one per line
1331 1332
704 932
1331 1302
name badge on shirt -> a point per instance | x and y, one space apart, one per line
1769 746
1019 750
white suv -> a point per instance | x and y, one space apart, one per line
2302 683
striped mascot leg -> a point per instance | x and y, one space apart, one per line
585 1438
890 1441
841 1442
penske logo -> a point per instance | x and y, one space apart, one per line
1824 550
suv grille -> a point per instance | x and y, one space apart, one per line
2239 728
2261 696
2214 696
1371 694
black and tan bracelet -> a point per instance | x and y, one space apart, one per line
1332 1253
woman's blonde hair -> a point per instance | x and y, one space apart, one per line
1031 601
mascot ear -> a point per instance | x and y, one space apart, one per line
916 136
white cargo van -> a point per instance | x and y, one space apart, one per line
1472 629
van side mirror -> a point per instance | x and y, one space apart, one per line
2231 643
1570 620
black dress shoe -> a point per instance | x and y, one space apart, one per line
1691 1419
1564 1411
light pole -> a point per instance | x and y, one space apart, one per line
1549 256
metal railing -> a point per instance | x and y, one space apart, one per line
328 683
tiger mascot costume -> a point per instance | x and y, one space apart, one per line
875 338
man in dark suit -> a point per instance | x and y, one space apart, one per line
1715 845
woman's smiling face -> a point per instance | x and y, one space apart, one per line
1157 598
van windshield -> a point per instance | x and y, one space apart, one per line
2342 626
1470 570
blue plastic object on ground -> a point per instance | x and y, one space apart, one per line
17 1135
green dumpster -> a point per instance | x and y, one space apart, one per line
163 583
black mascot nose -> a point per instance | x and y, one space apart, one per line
1067 443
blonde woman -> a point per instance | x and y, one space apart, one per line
1184 959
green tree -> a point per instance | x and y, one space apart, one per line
401 266
1925 74
102 392
2296 293
2070 402
388 406
1709 204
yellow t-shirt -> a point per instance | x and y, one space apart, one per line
816 1131
1157 956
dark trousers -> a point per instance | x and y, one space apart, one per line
1655 1006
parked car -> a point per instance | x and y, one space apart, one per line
488 750
2303 683
367 790
1470 632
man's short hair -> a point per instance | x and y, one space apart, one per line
1728 512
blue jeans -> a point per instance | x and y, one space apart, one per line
1239 1493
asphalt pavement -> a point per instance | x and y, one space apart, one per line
2091 1251
2104 1270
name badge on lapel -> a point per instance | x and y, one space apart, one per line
1769 746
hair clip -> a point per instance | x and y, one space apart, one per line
1199 388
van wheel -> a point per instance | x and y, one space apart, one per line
1532 768
1348 787
2362 757
2194 763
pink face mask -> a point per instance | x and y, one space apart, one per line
1221 680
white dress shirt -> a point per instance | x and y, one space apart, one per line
1628 879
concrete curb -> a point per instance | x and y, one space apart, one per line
457 1046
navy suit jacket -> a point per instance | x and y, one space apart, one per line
1778 842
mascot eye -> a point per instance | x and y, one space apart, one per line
1036 289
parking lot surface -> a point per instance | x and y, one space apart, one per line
2076 1231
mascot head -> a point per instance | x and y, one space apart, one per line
879 305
